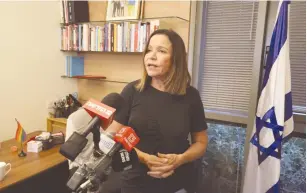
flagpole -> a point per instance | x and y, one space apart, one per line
20 136
255 80
22 153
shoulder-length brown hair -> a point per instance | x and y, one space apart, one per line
178 78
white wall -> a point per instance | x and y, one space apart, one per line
31 64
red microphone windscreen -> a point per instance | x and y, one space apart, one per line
105 109
96 108
127 137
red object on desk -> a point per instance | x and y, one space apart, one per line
32 138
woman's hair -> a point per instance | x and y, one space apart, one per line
178 78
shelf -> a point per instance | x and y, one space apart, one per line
97 29
179 19
137 53
100 78
90 77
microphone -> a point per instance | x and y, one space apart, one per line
126 137
103 110
124 160
86 172
99 111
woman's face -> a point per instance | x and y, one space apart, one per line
157 59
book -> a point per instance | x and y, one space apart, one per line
74 66
74 11
111 37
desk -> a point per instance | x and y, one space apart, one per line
33 164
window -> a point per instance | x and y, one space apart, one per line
297 30
229 41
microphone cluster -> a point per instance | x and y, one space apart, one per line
117 151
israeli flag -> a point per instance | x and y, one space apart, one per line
274 120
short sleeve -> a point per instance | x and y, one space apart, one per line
198 114
127 93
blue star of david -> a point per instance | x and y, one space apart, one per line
276 145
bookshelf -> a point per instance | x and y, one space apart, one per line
122 67
167 19
110 52
88 77
127 36
99 78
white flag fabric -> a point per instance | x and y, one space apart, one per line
274 118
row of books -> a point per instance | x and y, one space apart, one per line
110 37
74 66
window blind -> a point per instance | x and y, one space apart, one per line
297 30
230 31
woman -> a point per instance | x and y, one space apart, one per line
163 109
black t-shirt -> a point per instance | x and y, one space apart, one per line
162 121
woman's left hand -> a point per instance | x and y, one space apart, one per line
174 161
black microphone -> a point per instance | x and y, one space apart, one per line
111 104
126 138
124 160
95 174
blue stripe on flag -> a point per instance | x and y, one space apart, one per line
288 106
274 189
23 136
278 39
276 145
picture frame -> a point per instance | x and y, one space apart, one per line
123 9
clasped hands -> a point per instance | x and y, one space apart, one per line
163 165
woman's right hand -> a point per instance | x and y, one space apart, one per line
159 167
153 162
150 160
